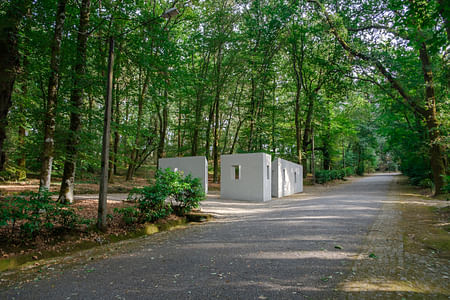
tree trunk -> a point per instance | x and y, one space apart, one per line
163 122
198 113
216 141
326 144
134 153
21 162
297 66
298 129
252 117
236 136
116 136
307 132
162 133
76 101
9 61
230 118
343 156
436 153
360 167
52 97
103 194
208 130
179 130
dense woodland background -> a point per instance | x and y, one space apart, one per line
364 83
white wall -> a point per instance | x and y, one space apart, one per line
287 178
254 183
197 166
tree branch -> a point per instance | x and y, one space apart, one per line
381 68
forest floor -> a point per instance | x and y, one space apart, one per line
83 186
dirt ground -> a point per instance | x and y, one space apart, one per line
117 185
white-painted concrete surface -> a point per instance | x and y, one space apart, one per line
196 166
246 177
287 178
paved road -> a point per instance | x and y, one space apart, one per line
283 249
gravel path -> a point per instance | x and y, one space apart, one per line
282 249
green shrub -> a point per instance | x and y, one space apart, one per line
426 183
323 176
171 193
129 214
191 196
30 213
416 167
349 171
360 170
446 187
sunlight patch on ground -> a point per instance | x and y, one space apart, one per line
301 255
381 285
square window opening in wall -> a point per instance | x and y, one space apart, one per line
268 172
236 172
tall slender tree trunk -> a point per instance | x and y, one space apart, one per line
113 129
134 153
436 152
199 105
76 101
229 120
298 129
236 136
326 153
297 66
9 62
116 136
208 130
343 155
307 133
103 194
52 98
162 132
216 140
252 117
326 143
219 84
21 162
274 148
179 130
198 113
163 122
